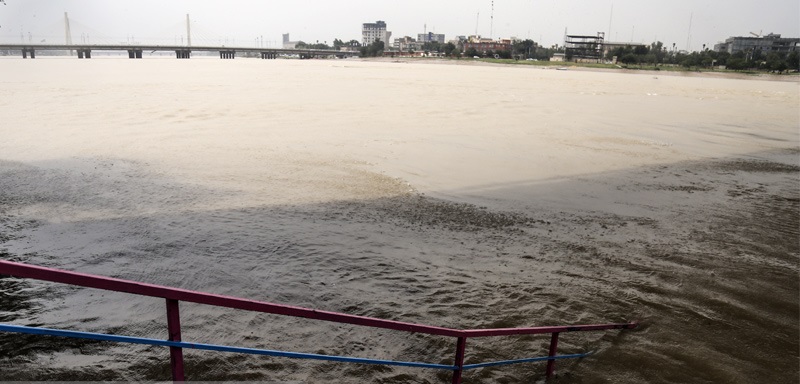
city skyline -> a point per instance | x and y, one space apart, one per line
248 23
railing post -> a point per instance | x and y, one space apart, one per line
551 364
461 346
174 328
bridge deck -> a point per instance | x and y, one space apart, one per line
173 48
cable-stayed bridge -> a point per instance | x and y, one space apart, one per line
81 41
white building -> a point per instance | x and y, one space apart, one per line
370 32
288 44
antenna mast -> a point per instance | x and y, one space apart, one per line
491 22
689 35
477 19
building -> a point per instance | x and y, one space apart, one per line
769 43
430 37
288 44
371 32
483 45
584 48
406 44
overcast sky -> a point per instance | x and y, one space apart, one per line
152 21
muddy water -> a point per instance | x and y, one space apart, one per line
454 195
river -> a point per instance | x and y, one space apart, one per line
456 195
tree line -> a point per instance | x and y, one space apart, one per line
657 54
641 55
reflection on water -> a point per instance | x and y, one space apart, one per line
702 251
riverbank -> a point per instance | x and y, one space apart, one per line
591 67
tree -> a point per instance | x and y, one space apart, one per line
373 50
722 58
659 51
776 63
433 46
793 61
736 63
629 58
640 50
524 48
318 45
471 52
691 60
449 49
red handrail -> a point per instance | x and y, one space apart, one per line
174 295
144 289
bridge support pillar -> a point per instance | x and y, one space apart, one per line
24 53
88 54
131 55
33 54
84 53
183 53
138 53
134 53
227 54
80 53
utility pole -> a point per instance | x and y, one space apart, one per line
610 18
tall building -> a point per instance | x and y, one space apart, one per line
769 43
370 32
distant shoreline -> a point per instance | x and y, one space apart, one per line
579 67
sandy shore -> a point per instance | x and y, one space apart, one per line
471 196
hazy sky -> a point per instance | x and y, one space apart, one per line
108 21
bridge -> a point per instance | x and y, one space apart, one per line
84 51
135 49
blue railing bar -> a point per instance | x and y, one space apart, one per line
528 360
211 347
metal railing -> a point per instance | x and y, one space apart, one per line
174 296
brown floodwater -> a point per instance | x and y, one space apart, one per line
463 196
